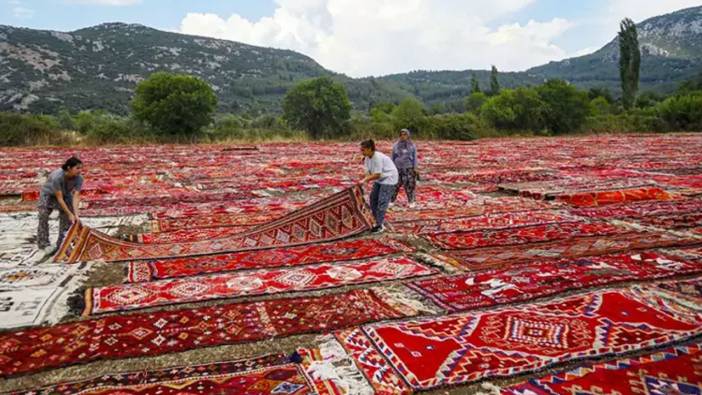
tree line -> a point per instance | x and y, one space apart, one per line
176 107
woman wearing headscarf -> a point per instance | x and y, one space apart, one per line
404 155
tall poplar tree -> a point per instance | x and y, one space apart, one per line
629 62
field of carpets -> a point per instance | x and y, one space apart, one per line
528 267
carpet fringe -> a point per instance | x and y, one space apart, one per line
339 368
490 389
403 299
440 263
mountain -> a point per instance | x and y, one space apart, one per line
671 49
671 52
98 68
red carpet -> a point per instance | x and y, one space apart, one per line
523 235
537 279
190 235
497 257
162 332
276 257
267 375
250 283
602 198
489 221
341 215
466 347
674 371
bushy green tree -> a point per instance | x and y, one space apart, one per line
455 126
515 109
600 106
566 106
604 93
410 114
174 104
319 106
629 62
475 101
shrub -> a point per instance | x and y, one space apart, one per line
24 129
682 112
515 109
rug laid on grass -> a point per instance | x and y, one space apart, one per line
571 186
497 257
481 222
641 209
676 370
537 279
250 283
340 215
266 375
602 198
162 332
462 348
673 221
344 250
522 235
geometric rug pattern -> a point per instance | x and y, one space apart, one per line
489 221
522 235
676 370
250 283
504 256
541 278
161 332
465 347
340 215
266 375
344 250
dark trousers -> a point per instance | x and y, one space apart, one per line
408 180
380 200
44 210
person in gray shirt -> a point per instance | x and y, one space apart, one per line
381 169
60 191
404 154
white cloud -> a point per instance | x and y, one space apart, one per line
22 12
375 37
117 3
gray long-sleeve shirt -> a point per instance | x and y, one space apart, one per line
404 155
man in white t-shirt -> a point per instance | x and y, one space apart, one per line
381 169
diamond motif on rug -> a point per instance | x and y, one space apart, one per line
130 295
245 283
538 333
190 289
298 277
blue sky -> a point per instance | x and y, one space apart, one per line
370 37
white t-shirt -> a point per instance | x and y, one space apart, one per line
381 163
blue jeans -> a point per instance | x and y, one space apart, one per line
380 198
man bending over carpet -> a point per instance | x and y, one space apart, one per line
381 169
60 191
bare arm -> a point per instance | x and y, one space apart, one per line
76 203
64 207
